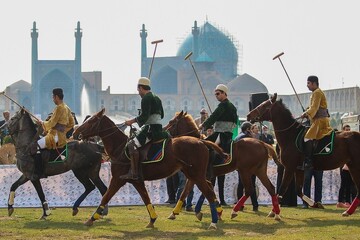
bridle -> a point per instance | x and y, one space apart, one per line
99 131
268 109
175 125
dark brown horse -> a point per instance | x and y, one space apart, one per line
346 149
188 154
84 159
249 157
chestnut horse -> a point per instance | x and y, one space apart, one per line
84 159
346 149
188 154
249 157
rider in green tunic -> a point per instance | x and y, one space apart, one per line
150 122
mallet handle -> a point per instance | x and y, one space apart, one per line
279 55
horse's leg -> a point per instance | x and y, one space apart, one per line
115 184
355 175
249 188
185 192
88 185
40 192
140 187
271 189
102 188
215 207
22 179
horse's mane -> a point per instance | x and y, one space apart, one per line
115 126
287 111
29 120
191 122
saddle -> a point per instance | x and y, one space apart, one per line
151 152
324 146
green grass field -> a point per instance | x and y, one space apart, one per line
129 222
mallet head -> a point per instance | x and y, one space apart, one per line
279 55
188 56
157 41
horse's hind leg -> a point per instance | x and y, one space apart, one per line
271 189
115 185
185 192
140 187
88 185
355 174
245 178
22 179
213 202
40 192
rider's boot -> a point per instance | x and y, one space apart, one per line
133 173
308 150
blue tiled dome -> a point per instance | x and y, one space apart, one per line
216 45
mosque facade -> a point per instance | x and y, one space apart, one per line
215 59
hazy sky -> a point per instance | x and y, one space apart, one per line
318 37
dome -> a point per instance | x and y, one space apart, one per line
246 84
20 85
216 46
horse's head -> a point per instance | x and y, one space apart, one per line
21 127
91 127
262 112
182 124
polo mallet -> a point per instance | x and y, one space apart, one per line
3 93
152 61
187 57
278 57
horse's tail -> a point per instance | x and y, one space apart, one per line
272 153
215 147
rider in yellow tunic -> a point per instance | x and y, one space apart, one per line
59 123
318 115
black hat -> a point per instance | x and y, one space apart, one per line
58 92
313 79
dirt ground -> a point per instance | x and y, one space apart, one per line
7 154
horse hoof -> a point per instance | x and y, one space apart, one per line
10 211
277 217
212 226
43 217
89 223
345 214
106 210
199 216
271 214
75 212
150 225
233 214
172 216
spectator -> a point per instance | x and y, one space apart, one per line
345 191
188 202
255 131
318 176
265 136
247 133
3 126
172 184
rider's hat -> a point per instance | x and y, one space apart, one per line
221 87
144 81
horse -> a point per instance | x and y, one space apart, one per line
249 157
84 159
346 149
187 154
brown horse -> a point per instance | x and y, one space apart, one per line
249 157
346 149
188 154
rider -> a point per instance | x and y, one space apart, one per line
224 119
318 115
3 126
56 127
149 120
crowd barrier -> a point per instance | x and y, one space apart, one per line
63 190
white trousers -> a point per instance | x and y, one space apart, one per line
42 143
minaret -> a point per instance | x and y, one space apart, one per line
77 86
195 32
34 60
143 35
